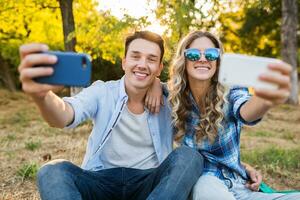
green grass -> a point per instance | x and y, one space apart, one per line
260 134
288 136
274 157
32 145
20 118
11 137
286 107
10 154
8 138
28 171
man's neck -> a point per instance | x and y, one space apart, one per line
136 99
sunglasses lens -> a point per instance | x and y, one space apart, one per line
192 54
212 54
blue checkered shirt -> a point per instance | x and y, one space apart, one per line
224 153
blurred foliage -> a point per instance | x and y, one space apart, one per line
98 33
254 28
244 26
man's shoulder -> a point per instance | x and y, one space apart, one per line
110 85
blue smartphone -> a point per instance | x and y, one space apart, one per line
71 69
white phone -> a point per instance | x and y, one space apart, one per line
243 70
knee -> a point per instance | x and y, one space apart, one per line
190 158
53 170
202 191
210 187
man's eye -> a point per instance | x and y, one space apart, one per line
152 59
135 56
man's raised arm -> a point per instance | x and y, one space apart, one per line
54 110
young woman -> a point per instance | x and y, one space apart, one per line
209 117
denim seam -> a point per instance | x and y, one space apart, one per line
185 169
123 185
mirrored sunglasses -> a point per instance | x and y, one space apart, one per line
210 54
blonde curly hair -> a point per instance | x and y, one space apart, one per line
210 120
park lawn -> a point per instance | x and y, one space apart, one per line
27 142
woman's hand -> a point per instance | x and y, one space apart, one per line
154 97
255 178
281 78
264 99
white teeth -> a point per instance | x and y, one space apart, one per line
140 74
202 67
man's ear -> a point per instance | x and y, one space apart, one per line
161 66
123 63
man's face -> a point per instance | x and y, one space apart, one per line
141 64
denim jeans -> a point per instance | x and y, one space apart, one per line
209 187
173 179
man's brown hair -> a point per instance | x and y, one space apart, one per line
146 35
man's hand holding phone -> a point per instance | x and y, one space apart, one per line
30 68
42 70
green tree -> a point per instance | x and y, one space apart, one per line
97 33
183 16
256 29
21 22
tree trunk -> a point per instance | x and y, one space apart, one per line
6 74
68 24
289 43
69 31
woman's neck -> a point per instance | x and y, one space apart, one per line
199 91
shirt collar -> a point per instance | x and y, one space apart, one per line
122 91
194 104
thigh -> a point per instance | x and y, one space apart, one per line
104 184
272 196
183 162
56 180
241 192
138 183
209 187
175 177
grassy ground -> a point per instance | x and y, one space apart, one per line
26 143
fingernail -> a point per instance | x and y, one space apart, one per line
53 58
50 69
45 47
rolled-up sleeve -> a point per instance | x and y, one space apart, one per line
238 96
85 104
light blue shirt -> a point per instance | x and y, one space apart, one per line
103 102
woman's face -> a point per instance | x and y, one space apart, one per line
202 69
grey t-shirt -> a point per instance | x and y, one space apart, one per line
130 144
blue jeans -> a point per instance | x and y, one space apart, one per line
173 179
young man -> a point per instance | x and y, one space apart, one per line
128 154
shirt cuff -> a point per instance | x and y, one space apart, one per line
241 119
76 107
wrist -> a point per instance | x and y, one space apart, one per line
41 97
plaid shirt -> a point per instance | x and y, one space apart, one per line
223 156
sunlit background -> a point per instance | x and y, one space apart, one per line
244 26
134 8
